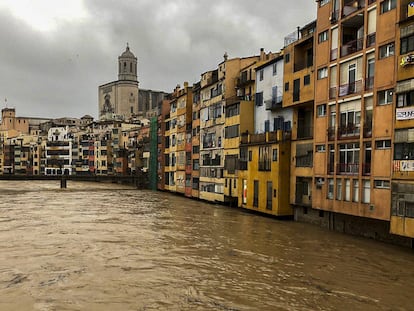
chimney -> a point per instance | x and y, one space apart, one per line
226 56
262 54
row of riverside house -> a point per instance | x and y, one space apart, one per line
70 146
322 131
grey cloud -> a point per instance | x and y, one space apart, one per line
57 73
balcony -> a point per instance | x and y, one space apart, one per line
334 54
243 165
351 6
369 83
348 131
303 63
274 104
350 88
352 46
347 168
368 131
244 79
366 169
331 133
305 132
332 92
371 39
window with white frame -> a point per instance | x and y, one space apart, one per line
366 193
386 50
388 5
355 197
383 144
339 189
320 148
321 110
385 97
275 69
330 194
323 2
347 190
323 36
322 73
382 184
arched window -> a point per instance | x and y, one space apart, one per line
125 67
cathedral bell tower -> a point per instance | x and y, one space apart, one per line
127 63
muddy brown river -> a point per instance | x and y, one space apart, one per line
103 246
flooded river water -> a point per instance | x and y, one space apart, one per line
110 247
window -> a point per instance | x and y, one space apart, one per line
407 44
384 97
386 50
261 75
383 144
264 158
231 131
366 195
322 73
405 99
355 197
250 155
323 36
274 157
382 184
287 86
259 99
323 2
347 190
404 151
349 158
256 194
339 189
306 80
330 194
320 148
321 110
388 5
287 58
275 69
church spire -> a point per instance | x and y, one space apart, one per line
127 65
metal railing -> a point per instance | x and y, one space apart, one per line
352 47
350 88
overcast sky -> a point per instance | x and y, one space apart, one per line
55 53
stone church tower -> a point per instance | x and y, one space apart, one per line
119 99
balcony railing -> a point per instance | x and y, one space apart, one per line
371 39
352 47
350 88
347 168
348 131
352 6
334 54
305 132
274 104
366 169
369 83
331 133
332 92
368 131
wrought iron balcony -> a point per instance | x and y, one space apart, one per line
274 103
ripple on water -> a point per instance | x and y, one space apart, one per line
111 247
